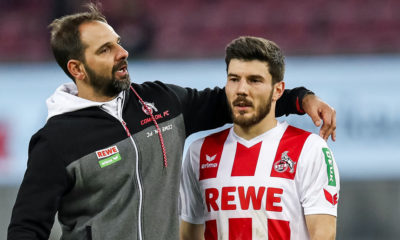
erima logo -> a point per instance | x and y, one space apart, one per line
332 199
209 159
285 163
106 152
150 108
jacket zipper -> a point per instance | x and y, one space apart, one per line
128 133
137 179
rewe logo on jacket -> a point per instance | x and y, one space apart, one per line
108 155
106 152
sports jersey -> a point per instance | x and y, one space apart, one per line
259 188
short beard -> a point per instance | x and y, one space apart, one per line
106 86
262 112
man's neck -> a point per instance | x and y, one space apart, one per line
95 97
251 132
87 92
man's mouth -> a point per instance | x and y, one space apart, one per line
121 68
242 105
242 102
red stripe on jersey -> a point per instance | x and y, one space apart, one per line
278 230
240 228
211 233
246 159
210 154
287 155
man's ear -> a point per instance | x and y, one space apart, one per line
279 88
77 69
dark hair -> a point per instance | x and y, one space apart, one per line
65 38
254 48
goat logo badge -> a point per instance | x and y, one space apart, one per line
285 163
150 108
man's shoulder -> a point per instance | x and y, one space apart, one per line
216 137
309 137
213 138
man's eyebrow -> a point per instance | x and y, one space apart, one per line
256 76
232 75
250 76
107 44
102 46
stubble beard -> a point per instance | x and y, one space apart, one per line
260 114
106 86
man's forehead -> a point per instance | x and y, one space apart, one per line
242 65
96 33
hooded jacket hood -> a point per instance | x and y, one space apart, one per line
65 99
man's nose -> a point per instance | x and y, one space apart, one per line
242 87
122 53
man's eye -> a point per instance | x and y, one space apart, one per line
255 80
105 50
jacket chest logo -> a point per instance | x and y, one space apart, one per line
108 156
150 108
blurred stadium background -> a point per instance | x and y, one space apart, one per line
347 51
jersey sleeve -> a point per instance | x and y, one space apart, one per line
318 180
191 200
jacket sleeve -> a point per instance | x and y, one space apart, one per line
291 102
208 109
39 195
202 110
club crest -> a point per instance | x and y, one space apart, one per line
150 108
285 163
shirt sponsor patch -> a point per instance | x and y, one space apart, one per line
329 167
110 160
106 152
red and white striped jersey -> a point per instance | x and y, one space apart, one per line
259 188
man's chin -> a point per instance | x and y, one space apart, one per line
243 121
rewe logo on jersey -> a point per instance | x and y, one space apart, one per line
285 163
209 160
150 108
